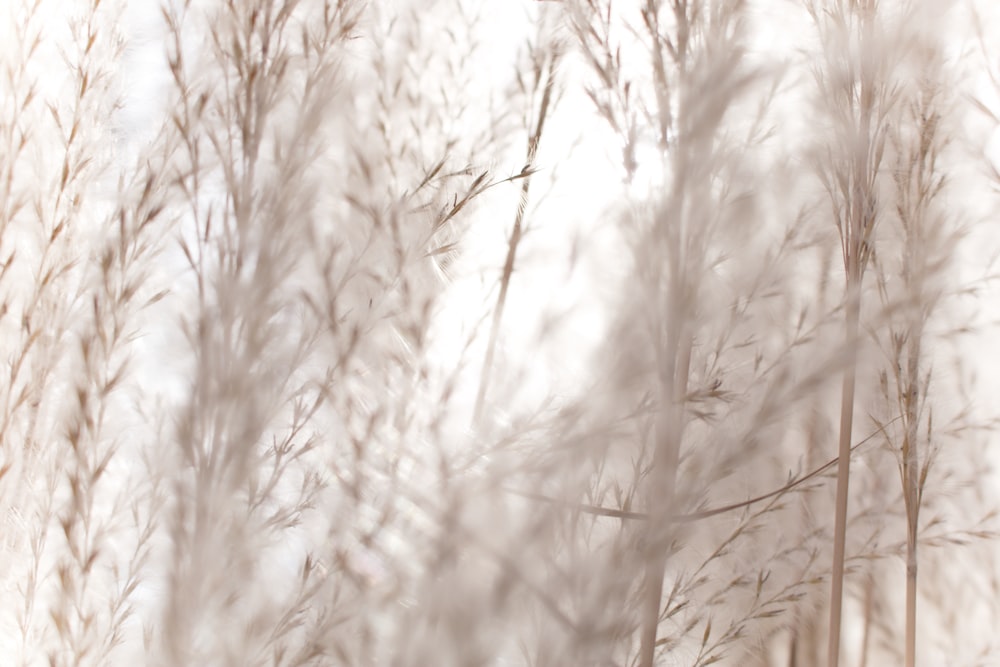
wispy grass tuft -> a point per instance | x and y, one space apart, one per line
375 339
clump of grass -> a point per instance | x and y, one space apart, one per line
682 260
235 427
854 89
918 181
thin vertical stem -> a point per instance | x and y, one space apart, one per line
669 432
866 636
514 241
911 478
844 466
857 237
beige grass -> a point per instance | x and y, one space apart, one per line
247 421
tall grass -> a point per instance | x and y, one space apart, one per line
925 249
853 85
272 397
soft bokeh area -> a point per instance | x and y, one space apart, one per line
521 332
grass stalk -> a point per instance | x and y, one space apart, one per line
926 247
843 471
550 59
857 101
